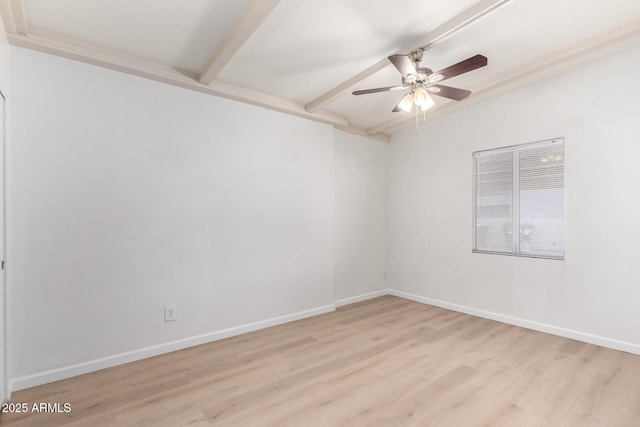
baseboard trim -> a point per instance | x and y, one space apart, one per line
524 323
118 359
361 297
143 353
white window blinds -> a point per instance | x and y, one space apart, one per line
519 200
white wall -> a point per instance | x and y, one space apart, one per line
4 59
129 195
361 171
596 289
4 87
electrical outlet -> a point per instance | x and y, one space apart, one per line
170 313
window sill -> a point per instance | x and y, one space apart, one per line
556 258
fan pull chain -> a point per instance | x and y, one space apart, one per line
424 117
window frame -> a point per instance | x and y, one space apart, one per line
516 195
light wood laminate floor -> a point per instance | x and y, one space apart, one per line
382 362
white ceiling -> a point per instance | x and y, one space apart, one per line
306 47
287 54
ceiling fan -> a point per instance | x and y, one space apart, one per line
422 81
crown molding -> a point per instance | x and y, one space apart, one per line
120 62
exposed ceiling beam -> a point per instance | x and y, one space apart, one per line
153 71
19 16
7 16
470 15
249 23
537 70
13 16
362 132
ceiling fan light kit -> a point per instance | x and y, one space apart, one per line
420 81
422 99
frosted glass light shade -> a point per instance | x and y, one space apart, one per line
406 103
421 97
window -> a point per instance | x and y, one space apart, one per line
519 200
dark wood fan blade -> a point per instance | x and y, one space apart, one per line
404 64
449 92
462 67
376 90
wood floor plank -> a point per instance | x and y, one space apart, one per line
384 361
